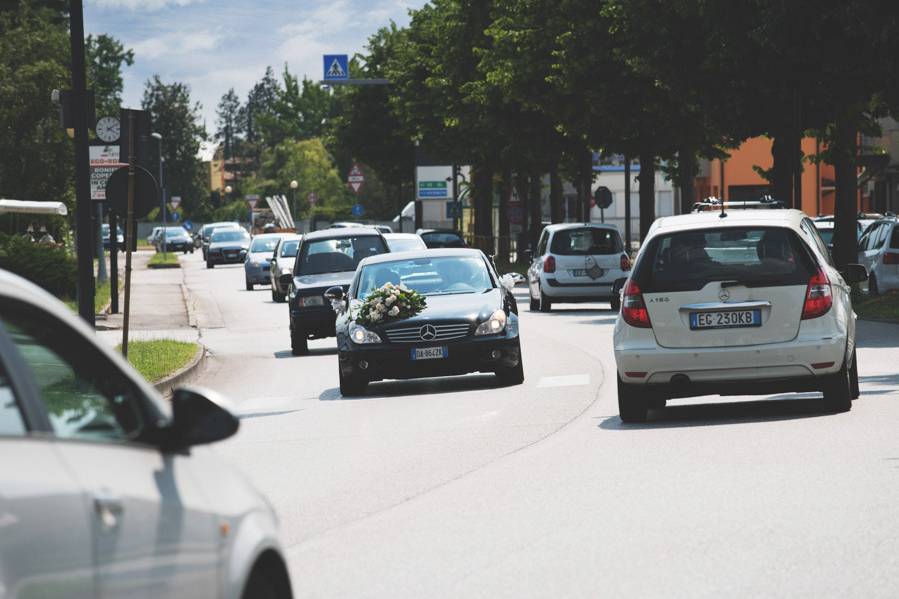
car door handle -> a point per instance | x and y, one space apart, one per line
108 508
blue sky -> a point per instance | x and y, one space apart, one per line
215 45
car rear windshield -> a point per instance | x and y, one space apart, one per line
443 240
751 256
342 254
586 241
406 245
289 248
264 244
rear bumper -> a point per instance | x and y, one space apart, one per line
313 323
394 361
602 289
733 370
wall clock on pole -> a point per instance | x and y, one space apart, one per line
108 129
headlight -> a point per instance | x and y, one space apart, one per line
494 325
361 335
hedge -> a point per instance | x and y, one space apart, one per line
47 266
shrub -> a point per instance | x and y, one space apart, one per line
47 266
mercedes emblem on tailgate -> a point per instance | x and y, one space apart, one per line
724 294
427 332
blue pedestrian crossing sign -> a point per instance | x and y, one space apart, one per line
337 67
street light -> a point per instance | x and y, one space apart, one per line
158 138
293 200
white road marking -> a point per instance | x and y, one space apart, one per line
571 380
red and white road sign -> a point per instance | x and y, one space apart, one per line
356 178
175 201
312 198
251 200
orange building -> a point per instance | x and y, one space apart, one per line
735 178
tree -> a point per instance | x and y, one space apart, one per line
228 123
105 57
177 118
300 111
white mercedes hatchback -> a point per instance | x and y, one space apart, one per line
747 302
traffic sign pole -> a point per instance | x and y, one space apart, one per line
129 234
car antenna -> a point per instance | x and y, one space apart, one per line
723 213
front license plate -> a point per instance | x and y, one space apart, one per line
725 320
429 353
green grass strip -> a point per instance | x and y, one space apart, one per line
158 358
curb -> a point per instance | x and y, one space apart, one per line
162 266
168 384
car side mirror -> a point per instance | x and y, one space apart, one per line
855 273
510 280
335 294
285 280
199 417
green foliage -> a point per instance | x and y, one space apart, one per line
47 266
104 57
158 358
164 260
177 118
300 111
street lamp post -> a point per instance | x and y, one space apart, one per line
158 138
293 201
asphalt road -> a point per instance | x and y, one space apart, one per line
456 487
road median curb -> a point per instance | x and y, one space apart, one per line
168 384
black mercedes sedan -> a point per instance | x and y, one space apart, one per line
469 322
325 259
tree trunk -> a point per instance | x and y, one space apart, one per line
845 250
782 171
482 191
647 178
556 211
535 203
686 170
627 203
521 186
505 194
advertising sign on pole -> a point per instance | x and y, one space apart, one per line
434 183
104 160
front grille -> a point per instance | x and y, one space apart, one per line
442 332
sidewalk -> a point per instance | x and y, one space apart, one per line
158 305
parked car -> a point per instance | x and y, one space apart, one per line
205 233
174 239
384 228
256 267
747 304
325 259
577 263
346 225
878 251
120 237
404 242
469 324
227 246
825 226
282 262
108 490
151 239
442 238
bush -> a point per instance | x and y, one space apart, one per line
49 267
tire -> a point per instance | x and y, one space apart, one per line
511 376
853 376
534 305
249 286
837 389
209 264
633 402
277 297
299 345
544 304
267 581
873 289
616 303
351 385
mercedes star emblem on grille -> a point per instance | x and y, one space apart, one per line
427 332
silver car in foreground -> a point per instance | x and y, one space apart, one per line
106 490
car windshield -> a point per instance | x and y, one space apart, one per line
173 231
428 276
586 241
289 248
754 257
443 240
342 254
264 244
406 244
228 235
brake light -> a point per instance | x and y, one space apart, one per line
633 308
549 264
818 296
625 263
890 258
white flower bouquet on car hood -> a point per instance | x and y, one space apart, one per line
389 303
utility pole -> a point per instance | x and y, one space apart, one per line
83 208
627 203
158 138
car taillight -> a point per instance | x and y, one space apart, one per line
625 263
818 296
889 258
549 264
633 308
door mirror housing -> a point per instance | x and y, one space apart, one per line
199 416
335 294
855 273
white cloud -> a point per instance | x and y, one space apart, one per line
176 43
146 5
